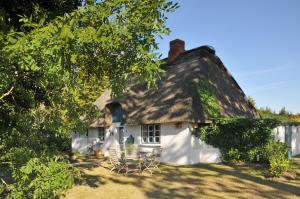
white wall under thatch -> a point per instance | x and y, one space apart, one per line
289 135
178 144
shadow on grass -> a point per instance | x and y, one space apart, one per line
93 181
202 180
239 175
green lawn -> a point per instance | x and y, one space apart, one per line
200 181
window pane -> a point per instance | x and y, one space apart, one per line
151 139
157 127
157 133
144 139
151 133
157 139
150 127
145 128
145 134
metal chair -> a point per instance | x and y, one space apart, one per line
118 164
151 162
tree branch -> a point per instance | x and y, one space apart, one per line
7 93
4 182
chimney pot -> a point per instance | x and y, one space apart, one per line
176 48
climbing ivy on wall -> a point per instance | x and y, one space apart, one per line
208 98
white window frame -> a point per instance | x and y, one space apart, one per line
101 130
151 134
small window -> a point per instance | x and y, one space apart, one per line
117 114
101 133
151 133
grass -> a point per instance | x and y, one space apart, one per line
199 181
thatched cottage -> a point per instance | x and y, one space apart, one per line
165 116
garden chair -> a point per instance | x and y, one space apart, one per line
151 162
118 164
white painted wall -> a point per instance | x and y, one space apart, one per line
81 142
179 146
279 134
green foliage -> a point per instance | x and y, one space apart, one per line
209 101
52 69
130 148
51 75
278 158
18 156
39 178
241 134
14 10
257 154
284 116
2 188
233 155
247 140
251 101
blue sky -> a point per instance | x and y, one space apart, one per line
257 40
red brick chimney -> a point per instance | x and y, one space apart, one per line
176 48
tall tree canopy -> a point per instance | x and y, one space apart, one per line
13 10
50 75
53 68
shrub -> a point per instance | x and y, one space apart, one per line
241 134
2 188
40 178
247 140
257 154
130 148
233 155
18 156
278 167
278 158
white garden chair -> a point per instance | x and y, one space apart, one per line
118 164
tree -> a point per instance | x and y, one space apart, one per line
46 73
14 10
284 111
51 71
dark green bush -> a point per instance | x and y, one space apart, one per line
38 175
241 134
38 178
2 188
18 156
233 155
249 140
257 154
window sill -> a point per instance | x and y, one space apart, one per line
149 145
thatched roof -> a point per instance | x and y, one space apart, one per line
176 98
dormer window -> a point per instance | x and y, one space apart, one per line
117 113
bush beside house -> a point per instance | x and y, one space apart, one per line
248 140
